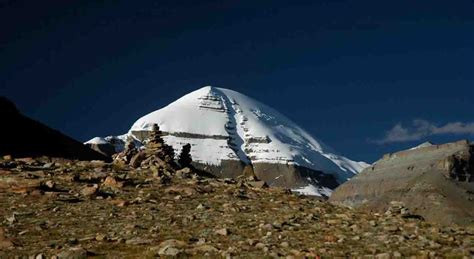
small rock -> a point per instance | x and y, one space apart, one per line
170 251
49 184
251 242
260 246
201 207
5 243
184 173
73 241
112 183
12 219
382 256
90 190
48 165
23 232
204 249
343 216
100 237
188 191
170 247
356 238
75 252
119 202
268 226
390 228
284 244
138 241
334 221
258 184
222 231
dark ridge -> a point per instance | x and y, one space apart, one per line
21 136
7 107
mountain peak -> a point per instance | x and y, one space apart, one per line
224 126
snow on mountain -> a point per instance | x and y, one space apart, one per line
96 140
312 190
221 124
422 145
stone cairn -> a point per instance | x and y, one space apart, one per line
155 153
126 155
158 157
156 146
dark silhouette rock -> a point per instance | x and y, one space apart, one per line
185 159
21 136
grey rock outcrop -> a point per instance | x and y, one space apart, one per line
434 181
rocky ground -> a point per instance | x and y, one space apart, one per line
77 209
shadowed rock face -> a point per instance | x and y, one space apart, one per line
279 175
227 169
435 182
292 176
21 136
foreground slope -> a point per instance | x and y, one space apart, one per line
85 209
228 130
434 181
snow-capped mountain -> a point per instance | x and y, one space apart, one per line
223 125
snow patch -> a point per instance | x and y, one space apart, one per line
422 145
96 140
311 190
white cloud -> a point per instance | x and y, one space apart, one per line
421 128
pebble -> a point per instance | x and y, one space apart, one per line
382 256
100 237
201 207
90 190
222 231
75 252
138 241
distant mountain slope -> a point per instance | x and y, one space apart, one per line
224 126
21 136
434 181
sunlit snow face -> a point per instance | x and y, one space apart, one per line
222 124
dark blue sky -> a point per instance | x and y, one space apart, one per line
346 71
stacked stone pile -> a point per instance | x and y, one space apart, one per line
158 157
129 151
